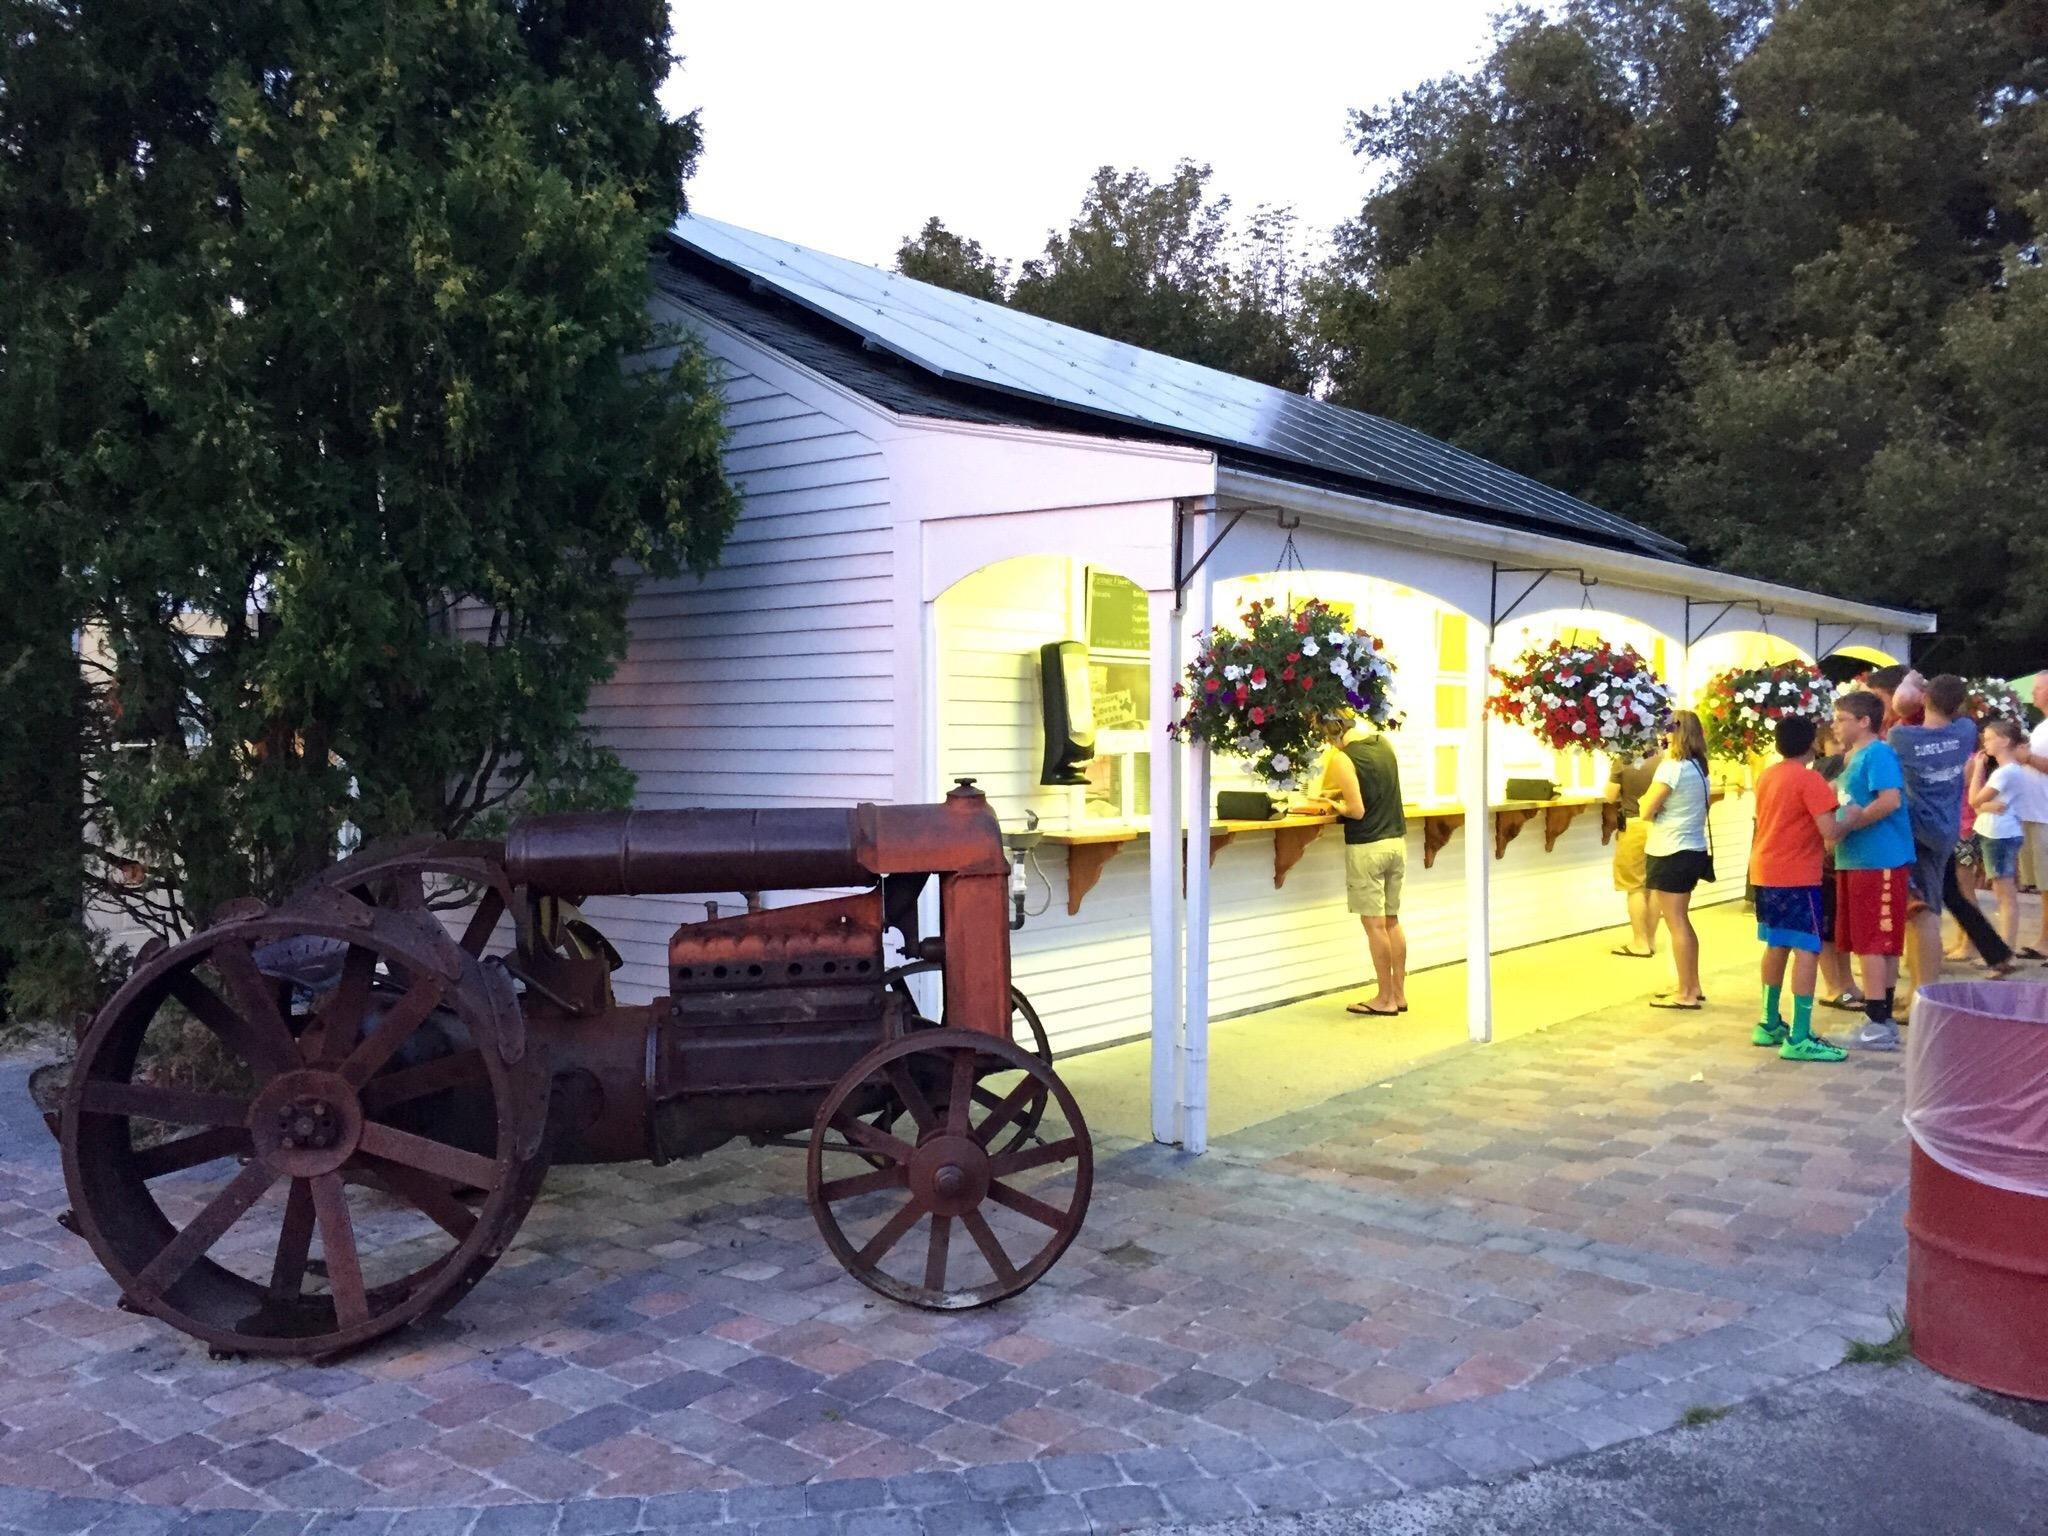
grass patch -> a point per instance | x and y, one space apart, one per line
1701 1413
1891 1351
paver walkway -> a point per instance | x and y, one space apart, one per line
1506 1257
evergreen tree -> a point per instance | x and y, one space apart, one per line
326 356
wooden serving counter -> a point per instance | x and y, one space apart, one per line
1089 848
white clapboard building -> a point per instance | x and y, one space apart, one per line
936 487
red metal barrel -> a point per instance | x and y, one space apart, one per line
1977 1212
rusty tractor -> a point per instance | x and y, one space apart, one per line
391 1059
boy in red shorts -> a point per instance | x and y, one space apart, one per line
1795 823
1870 863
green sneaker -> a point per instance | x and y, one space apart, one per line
1812 1048
1769 1034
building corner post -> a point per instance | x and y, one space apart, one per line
1476 792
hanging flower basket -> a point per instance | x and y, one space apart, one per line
1591 697
1992 698
1266 689
1742 706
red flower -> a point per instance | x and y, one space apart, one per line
1287 676
1293 656
1258 715
1307 684
1243 693
1301 625
1258 677
1211 685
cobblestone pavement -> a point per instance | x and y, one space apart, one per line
1503 1259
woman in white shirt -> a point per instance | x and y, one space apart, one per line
1678 855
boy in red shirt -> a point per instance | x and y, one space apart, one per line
1795 824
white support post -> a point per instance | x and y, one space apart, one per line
1476 792
1194 1087
1165 867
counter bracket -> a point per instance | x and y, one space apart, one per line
1437 831
1289 844
1084 868
1555 822
1507 826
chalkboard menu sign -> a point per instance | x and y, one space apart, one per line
1118 616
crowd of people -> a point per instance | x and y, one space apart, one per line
1868 830
1866 834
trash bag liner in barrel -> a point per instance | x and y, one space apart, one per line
1977 1212
1977 1081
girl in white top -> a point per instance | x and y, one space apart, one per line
1999 801
1680 821
1677 849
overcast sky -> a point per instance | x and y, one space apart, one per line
843 127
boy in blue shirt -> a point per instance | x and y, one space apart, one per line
1871 862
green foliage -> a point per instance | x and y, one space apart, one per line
1506 286
938 256
1763 277
42 700
1699 1415
1895 1350
1156 264
327 356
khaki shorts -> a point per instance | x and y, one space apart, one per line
1372 876
2034 866
1629 845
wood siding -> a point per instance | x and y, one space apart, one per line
770 680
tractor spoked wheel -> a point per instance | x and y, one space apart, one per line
1027 1032
954 1216
220 1119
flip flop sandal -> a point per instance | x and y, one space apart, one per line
2031 953
1844 1002
1635 954
1373 1013
1671 1005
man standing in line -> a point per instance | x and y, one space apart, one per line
1871 862
1362 784
1934 758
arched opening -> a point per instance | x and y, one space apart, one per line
1518 754
1846 663
1726 650
1430 643
990 626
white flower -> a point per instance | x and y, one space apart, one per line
1578 727
1308 645
1280 762
1232 673
1258 683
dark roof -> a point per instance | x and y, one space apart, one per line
922 350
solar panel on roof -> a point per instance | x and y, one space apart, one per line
972 341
